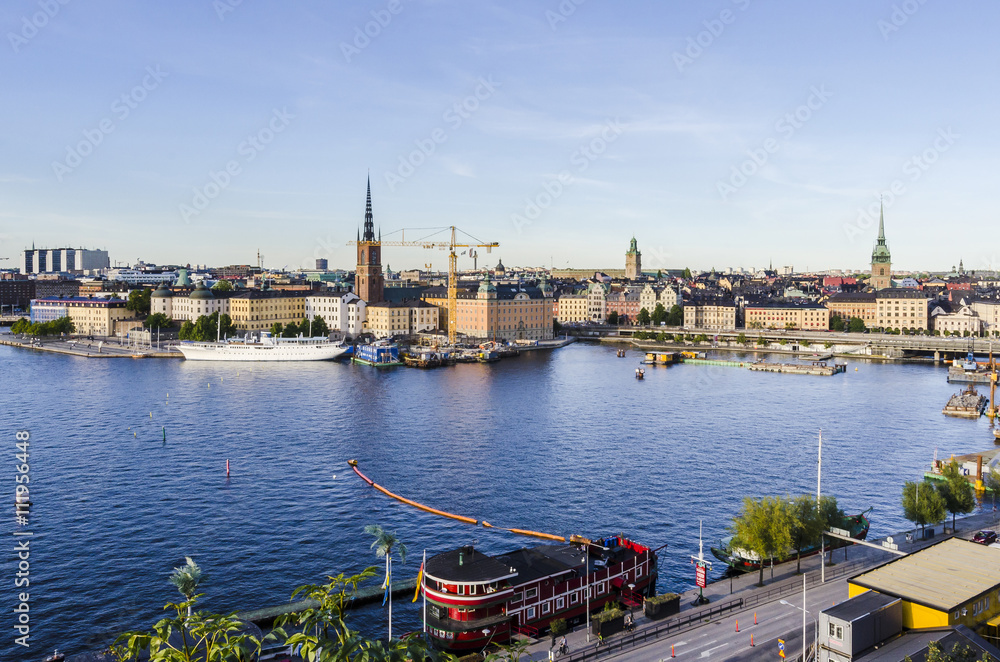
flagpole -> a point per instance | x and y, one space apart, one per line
389 580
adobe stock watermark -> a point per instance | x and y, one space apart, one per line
553 189
363 35
249 149
564 10
454 117
223 7
121 108
899 17
913 169
714 27
786 127
31 25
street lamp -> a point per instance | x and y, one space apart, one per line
815 620
631 604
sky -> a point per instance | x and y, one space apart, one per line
723 133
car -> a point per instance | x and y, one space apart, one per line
985 537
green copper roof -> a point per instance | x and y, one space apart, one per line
880 255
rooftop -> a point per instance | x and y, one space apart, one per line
467 565
943 576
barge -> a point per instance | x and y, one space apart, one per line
377 354
815 368
967 404
474 600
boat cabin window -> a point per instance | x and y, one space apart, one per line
518 596
560 603
531 612
461 589
531 593
574 597
546 607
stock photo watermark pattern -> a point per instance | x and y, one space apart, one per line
714 27
22 538
32 24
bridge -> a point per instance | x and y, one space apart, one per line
863 344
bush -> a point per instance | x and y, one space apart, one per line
660 599
609 614
558 626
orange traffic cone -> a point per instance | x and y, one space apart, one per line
755 618
737 625
751 641
672 651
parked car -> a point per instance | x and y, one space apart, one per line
985 537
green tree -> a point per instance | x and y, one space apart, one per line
761 340
836 323
187 330
511 652
222 286
228 328
186 578
384 544
20 326
958 653
643 318
157 321
276 329
659 314
676 316
292 329
139 301
956 489
659 274
687 273
856 325
319 327
806 526
764 527
741 338
923 504
613 317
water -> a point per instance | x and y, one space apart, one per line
564 442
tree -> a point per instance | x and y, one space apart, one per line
676 316
836 323
20 326
511 652
923 504
659 314
741 338
764 527
276 329
959 498
186 578
958 653
613 317
319 327
139 301
222 286
687 273
643 318
806 526
384 544
187 330
659 274
856 325
292 329
157 321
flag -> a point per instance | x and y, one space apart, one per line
420 575
386 596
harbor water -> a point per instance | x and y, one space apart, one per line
563 442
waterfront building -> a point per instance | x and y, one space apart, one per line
854 304
954 582
650 296
504 312
259 310
901 309
807 316
55 260
572 308
368 281
955 318
597 309
881 277
386 319
711 313
91 317
15 293
625 303
184 306
633 261
343 311
989 312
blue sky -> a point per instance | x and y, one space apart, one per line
557 129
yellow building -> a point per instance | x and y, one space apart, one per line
258 310
711 314
846 305
810 316
901 309
573 308
91 317
504 312
955 582
393 318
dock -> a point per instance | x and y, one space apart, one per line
89 349
815 368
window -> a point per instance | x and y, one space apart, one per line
837 632
531 593
531 612
546 607
560 603
574 597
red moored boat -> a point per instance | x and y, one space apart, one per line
474 600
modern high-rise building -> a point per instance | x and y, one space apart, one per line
55 260
881 259
368 280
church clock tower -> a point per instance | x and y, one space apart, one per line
368 282
881 259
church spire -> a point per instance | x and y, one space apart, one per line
369 218
881 223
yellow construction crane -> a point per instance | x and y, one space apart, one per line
449 246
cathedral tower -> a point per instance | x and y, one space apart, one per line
881 259
368 282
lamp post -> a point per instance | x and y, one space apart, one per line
804 612
631 603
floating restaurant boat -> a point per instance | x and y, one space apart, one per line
743 560
967 404
473 599
380 354
263 347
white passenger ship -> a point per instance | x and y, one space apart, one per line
263 348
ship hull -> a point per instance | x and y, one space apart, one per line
251 352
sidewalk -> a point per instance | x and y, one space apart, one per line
745 586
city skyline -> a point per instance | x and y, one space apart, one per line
610 123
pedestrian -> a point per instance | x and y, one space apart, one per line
563 648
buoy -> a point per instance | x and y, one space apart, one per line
164 433
151 414
227 468
335 476
133 435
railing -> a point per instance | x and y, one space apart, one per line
527 630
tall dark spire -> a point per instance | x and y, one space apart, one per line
369 219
